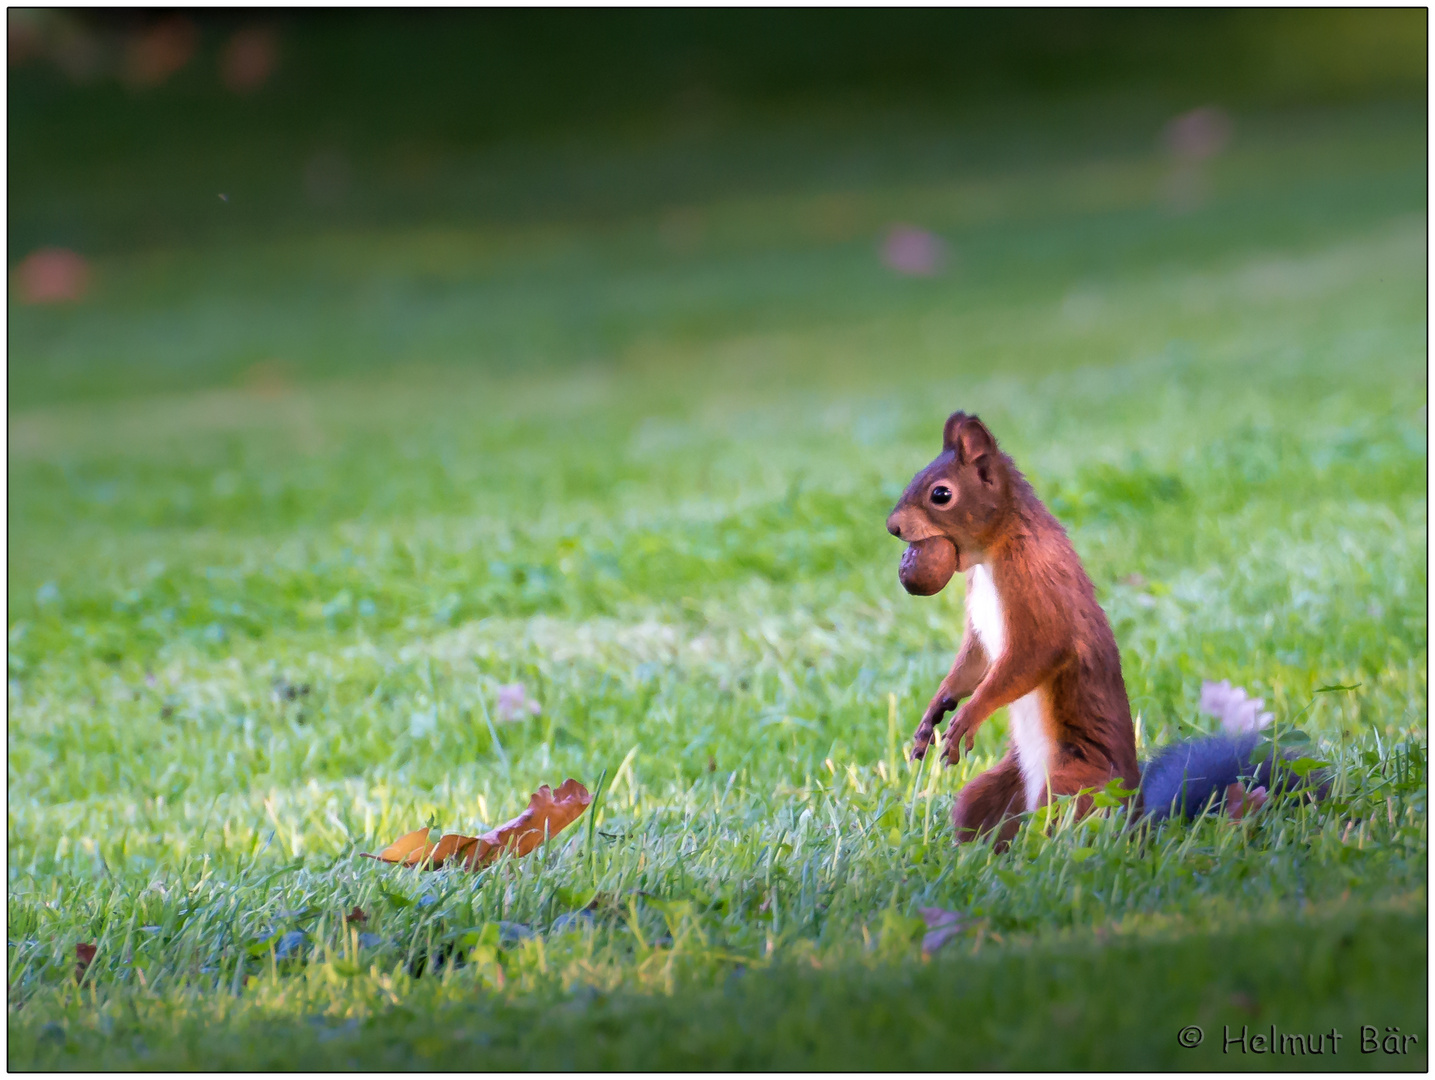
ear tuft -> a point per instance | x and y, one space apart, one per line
949 432
968 438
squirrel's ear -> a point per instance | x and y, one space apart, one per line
968 438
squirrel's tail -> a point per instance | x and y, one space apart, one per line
1186 778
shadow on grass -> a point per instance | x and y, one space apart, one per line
1122 1003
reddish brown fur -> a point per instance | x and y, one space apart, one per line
1057 638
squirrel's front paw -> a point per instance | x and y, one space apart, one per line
927 730
921 739
957 733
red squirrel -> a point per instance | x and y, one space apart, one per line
1036 642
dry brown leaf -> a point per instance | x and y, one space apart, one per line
547 814
450 847
84 955
402 848
357 915
1241 803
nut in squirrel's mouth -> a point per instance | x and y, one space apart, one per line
927 565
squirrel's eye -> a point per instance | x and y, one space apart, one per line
941 495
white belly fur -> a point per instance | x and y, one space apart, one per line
1030 729
985 608
1031 735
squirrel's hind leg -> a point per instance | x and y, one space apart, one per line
989 803
1070 777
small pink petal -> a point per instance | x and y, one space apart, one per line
1197 135
514 702
942 926
914 252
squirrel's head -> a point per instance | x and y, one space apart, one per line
959 499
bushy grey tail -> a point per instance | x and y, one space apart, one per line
1183 779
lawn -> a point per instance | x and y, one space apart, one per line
287 510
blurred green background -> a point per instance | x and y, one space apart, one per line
514 179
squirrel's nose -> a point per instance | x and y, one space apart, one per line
893 527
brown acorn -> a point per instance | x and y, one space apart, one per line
928 565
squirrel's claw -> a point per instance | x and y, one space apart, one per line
957 734
926 732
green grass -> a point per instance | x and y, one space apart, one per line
641 464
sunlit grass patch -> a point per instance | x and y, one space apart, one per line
253 632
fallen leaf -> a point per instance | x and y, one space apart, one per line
247 60
1241 803
356 916
53 276
1246 1003
547 814
942 926
1197 135
402 848
84 954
